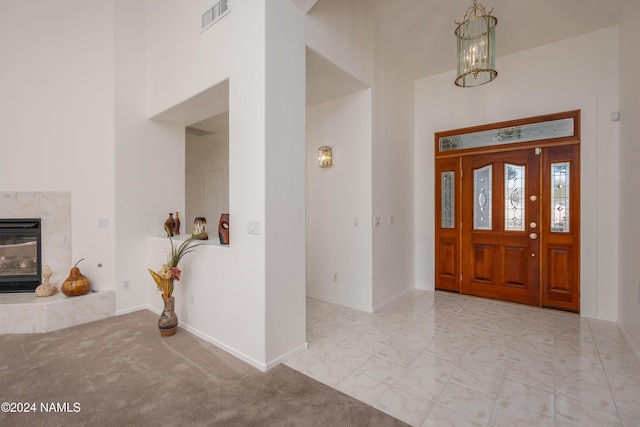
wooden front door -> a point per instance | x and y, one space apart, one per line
501 248
507 220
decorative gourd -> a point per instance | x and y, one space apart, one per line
76 284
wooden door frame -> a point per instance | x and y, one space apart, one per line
447 160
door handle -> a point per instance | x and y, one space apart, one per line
533 236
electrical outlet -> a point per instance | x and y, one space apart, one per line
126 285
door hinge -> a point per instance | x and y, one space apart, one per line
460 277
538 150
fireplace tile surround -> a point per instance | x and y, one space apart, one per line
26 313
54 209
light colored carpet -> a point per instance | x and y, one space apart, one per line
120 372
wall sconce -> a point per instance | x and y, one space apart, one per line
325 157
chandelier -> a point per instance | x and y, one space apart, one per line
476 36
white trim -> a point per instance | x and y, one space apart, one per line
279 360
131 310
634 349
393 298
248 359
337 302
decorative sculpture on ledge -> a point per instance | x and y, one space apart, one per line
46 289
76 284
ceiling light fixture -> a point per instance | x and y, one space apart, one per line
476 36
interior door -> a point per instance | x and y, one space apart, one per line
500 225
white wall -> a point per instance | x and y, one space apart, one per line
392 176
284 180
243 302
204 153
629 251
57 109
342 32
373 144
339 253
557 77
175 39
338 196
149 159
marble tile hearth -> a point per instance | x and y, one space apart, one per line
27 313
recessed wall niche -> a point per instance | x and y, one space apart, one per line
207 172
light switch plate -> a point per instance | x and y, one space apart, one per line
253 227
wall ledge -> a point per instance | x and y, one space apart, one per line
26 313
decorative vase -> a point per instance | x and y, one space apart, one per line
223 229
200 229
168 321
176 229
169 225
76 284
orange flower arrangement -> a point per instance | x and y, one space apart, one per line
169 272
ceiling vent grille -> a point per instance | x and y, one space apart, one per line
216 13
196 132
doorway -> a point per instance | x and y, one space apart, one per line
507 211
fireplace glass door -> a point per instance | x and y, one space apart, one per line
19 255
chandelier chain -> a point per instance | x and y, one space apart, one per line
475 11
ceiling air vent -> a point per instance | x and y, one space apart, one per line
216 13
196 132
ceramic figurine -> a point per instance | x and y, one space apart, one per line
200 228
176 228
46 289
170 225
223 229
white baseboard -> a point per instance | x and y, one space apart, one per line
246 358
635 350
342 303
264 367
393 298
133 309
285 356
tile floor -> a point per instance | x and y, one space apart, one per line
440 359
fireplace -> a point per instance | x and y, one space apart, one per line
20 254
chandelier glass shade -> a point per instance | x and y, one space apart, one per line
476 47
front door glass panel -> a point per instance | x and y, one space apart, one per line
514 206
448 199
482 192
560 197
509 135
